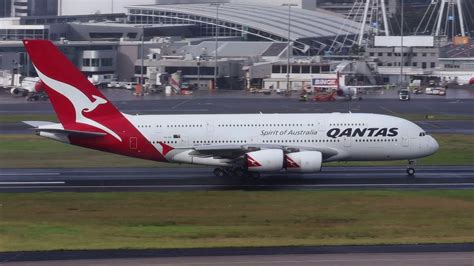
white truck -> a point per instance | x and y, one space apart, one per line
121 85
102 80
8 80
441 91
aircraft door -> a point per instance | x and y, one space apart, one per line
321 127
209 127
254 139
405 142
184 141
347 141
158 129
133 143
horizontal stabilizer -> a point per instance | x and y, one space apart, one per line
75 133
56 128
38 123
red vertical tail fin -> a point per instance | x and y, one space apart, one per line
80 106
76 101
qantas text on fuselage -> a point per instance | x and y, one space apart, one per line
362 132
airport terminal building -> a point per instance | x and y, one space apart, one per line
252 45
310 31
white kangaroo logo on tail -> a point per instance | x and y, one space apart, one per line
79 100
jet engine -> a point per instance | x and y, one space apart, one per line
15 91
304 161
265 160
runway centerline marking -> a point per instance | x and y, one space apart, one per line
27 174
34 183
179 104
388 110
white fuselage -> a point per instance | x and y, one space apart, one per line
342 137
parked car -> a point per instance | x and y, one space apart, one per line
404 95
435 91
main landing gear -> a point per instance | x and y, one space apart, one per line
219 172
236 172
411 168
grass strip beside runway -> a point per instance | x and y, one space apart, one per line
17 118
31 151
53 221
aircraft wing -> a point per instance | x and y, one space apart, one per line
229 151
237 151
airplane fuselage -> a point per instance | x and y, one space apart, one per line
350 136
240 144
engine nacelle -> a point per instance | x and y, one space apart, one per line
265 160
304 161
15 91
39 86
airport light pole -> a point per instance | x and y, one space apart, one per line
217 5
289 48
199 70
402 59
143 56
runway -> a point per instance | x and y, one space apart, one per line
387 255
193 179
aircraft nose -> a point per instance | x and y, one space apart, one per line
433 145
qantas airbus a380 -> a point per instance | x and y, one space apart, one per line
240 144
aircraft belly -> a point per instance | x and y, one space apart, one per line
379 153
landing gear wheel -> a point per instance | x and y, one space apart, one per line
411 171
240 173
219 172
411 168
255 176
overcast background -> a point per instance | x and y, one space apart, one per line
105 6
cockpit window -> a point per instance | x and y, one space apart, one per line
422 134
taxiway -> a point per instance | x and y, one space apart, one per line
267 105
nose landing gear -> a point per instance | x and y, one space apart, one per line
411 168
